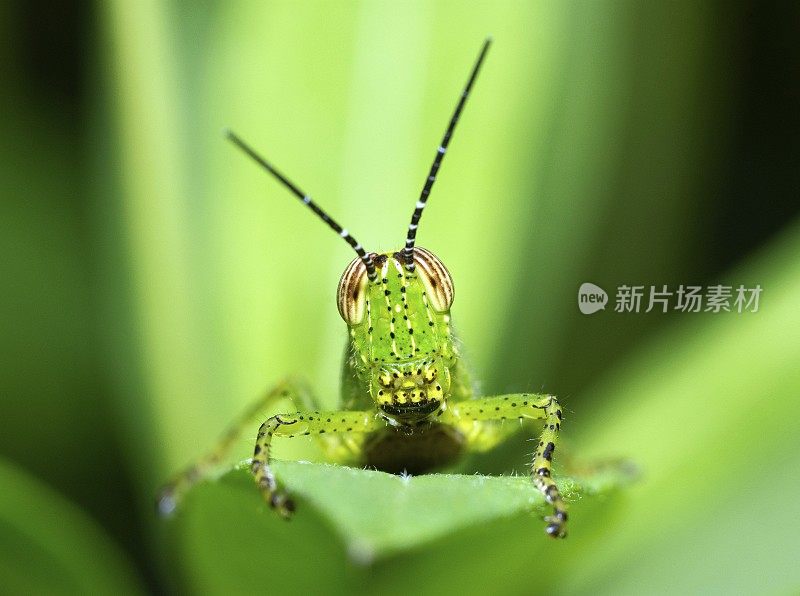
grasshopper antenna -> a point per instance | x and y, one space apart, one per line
306 200
408 251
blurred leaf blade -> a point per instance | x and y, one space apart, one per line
47 546
705 410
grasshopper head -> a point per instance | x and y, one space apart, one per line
400 329
396 304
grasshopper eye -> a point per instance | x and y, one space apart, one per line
351 295
436 279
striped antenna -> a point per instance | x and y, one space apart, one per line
306 200
408 251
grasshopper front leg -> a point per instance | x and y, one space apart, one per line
301 424
524 406
173 492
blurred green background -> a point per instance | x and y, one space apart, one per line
155 281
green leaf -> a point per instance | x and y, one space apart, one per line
47 546
373 514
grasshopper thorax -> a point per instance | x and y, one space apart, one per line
399 324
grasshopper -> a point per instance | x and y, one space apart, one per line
407 402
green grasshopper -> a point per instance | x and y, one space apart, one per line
408 404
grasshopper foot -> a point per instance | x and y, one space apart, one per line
556 524
279 500
166 501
